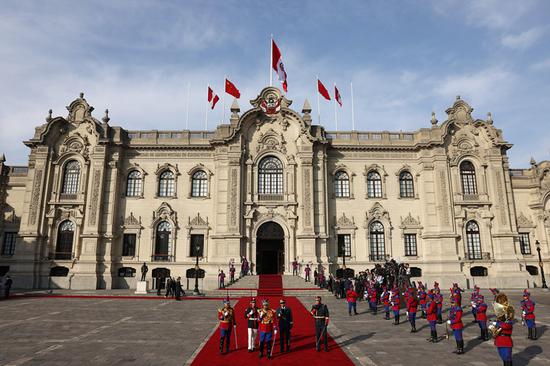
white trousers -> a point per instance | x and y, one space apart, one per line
252 334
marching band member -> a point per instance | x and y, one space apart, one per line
528 315
455 321
502 328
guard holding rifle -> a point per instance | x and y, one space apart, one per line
321 316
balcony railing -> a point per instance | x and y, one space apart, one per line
379 257
67 197
479 256
161 257
270 197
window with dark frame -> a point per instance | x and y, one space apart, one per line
71 176
524 243
270 176
341 185
196 240
166 184
376 239
129 245
410 245
8 245
199 184
65 236
162 241
374 185
468 177
126 272
473 240
133 185
344 245
406 186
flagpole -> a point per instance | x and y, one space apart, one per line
335 109
271 61
223 99
352 109
318 103
187 107
206 110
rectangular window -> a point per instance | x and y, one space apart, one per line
344 245
197 245
8 246
524 244
410 245
129 245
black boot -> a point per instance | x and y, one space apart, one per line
486 331
439 319
221 344
269 350
423 314
413 330
460 347
481 335
396 321
387 315
534 336
261 349
435 336
227 345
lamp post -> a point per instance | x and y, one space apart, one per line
196 290
537 243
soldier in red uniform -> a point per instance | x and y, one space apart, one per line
351 298
412 305
395 305
226 316
431 310
455 321
528 315
373 301
422 298
267 328
503 327
385 298
481 316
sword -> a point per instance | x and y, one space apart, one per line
320 335
273 344
236 339
446 331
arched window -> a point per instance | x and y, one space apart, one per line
71 176
166 184
468 177
406 186
162 242
341 184
199 185
473 240
65 236
377 245
133 186
374 185
270 176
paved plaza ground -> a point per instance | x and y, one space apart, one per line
96 331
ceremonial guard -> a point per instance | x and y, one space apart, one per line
474 300
455 321
321 318
385 298
412 305
438 297
373 302
528 315
221 279
251 314
422 298
284 319
351 298
226 316
295 267
502 328
267 328
307 272
456 292
395 302
431 311
232 273
481 317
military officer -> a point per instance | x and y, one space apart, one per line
455 322
226 316
528 315
321 317
481 318
251 314
266 328
502 328
285 321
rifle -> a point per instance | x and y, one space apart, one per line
236 339
273 344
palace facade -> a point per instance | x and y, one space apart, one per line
96 200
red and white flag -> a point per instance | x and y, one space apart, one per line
337 96
212 98
231 89
322 90
277 64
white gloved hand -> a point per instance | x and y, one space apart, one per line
225 313
407 313
524 313
449 321
251 312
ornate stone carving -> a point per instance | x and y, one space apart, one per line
233 198
271 101
132 220
524 221
164 212
271 140
444 198
345 222
460 112
198 221
94 199
307 196
35 196
409 221
377 212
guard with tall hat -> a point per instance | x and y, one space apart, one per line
431 311
251 314
481 317
266 328
385 298
438 297
474 299
321 318
285 321
422 298
395 303
412 305
502 328
455 322
226 317
528 315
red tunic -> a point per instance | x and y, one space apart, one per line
395 303
412 304
504 338
351 296
372 295
226 321
431 310
528 307
481 314
267 320
455 316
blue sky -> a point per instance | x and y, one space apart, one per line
406 59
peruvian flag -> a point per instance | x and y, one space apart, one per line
322 90
231 89
277 64
212 98
337 96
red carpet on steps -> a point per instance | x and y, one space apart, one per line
270 285
302 347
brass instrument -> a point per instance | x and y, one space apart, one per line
503 312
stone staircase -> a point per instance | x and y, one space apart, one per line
246 286
297 286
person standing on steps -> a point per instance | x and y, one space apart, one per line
221 279
267 328
295 267
321 317
226 316
455 322
252 316
285 321
307 272
231 273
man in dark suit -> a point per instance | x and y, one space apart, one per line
284 318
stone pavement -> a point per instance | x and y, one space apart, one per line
371 340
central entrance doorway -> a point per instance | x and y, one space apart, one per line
270 249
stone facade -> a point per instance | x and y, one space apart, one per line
153 196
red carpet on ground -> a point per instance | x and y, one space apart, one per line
270 285
302 347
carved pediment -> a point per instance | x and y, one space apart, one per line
271 101
79 110
460 112
131 220
377 212
164 212
345 221
197 221
75 143
524 221
409 221
271 140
